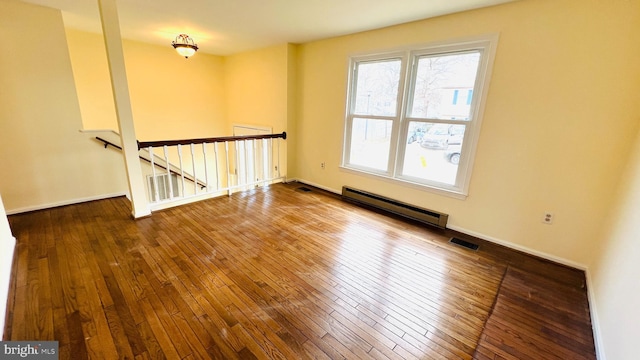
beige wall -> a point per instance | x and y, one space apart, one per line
258 90
556 128
256 87
45 160
171 97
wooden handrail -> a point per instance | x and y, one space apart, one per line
108 143
145 144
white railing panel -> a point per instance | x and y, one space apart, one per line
227 166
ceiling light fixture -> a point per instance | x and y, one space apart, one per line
184 45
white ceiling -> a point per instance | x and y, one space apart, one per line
224 27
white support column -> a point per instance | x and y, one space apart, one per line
120 88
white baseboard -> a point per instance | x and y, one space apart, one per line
597 338
595 323
310 183
505 243
524 249
64 203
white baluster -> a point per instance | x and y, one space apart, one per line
237 155
271 172
215 150
153 174
254 152
193 166
226 155
206 172
181 168
246 163
265 160
278 159
168 166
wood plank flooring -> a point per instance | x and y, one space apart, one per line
280 273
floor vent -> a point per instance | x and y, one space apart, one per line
396 207
303 189
464 243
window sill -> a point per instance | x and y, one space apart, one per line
410 184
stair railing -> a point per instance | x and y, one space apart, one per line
187 176
183 171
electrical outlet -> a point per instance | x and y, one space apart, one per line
547 218
322 165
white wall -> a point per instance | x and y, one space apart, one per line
615 273
7 245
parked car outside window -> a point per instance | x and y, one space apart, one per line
415 135
452 154
440 136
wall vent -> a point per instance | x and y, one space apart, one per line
426 216
163 187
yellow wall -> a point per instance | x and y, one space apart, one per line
171 97
91 75
44 159
175 98
256 87
258 91
556 127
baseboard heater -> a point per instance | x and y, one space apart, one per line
430 217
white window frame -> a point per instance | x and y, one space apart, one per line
486 46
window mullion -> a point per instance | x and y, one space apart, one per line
407 84
397 121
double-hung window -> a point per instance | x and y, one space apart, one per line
414 116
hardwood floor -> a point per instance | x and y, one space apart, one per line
280 273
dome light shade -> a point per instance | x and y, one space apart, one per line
184 45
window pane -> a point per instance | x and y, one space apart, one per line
435 156
370 143
377 88
444 86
